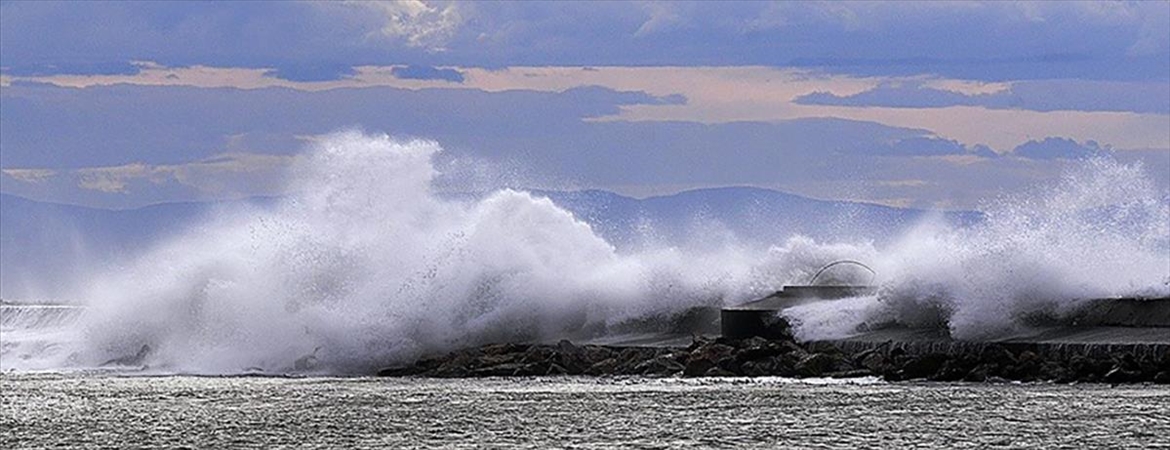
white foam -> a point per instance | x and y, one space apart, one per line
1102 231
365 265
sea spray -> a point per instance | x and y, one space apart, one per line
1100 231
365 265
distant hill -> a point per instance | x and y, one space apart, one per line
43 246
752 215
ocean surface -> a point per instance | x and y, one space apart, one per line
104 410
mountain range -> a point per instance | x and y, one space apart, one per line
45 246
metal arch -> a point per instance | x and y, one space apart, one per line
872 273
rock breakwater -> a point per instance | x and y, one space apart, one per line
719 357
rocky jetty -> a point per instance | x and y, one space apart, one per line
757 356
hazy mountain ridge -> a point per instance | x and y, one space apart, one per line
47 245
751 215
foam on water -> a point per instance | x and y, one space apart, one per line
365 265
36 336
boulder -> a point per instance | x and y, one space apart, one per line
399 371
501 370
756 368
1121 375
504 349
1087 369
922 366
875 362
555 369
953 369
604 367
594 354
538 353
757 348
980 373
660 366
1054 371
629 358
718 372
704 358
1025 368
820 364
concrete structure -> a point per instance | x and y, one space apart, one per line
1137 326
762 317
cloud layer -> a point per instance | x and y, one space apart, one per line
907 103
1047 95
976 40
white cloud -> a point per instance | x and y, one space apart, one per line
903 183
111 180
212 175
663 16
417 23
34 176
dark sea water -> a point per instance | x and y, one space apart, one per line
93 410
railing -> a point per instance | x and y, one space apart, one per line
872 274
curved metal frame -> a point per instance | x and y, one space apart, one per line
872 273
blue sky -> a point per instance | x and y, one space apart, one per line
917 104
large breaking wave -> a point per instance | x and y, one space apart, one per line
365 265
1102 231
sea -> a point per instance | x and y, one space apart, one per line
114 410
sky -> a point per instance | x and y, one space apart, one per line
918 104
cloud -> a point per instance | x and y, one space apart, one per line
890 94
731 94
427 73
973 40
934 146
417 23
308 72
1047 95
30 175
904 183
113 180
663 16
212 175
145 144
1059 148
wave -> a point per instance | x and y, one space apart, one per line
364 265
1102 231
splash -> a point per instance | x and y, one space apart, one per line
1102 231
365 265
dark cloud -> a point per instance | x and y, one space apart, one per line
934 146
542 139
892 95
1059 148
547 133
72 68
122 124
987 41
427 73
1048 95
312 72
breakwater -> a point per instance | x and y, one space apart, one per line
758 356
1111 341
